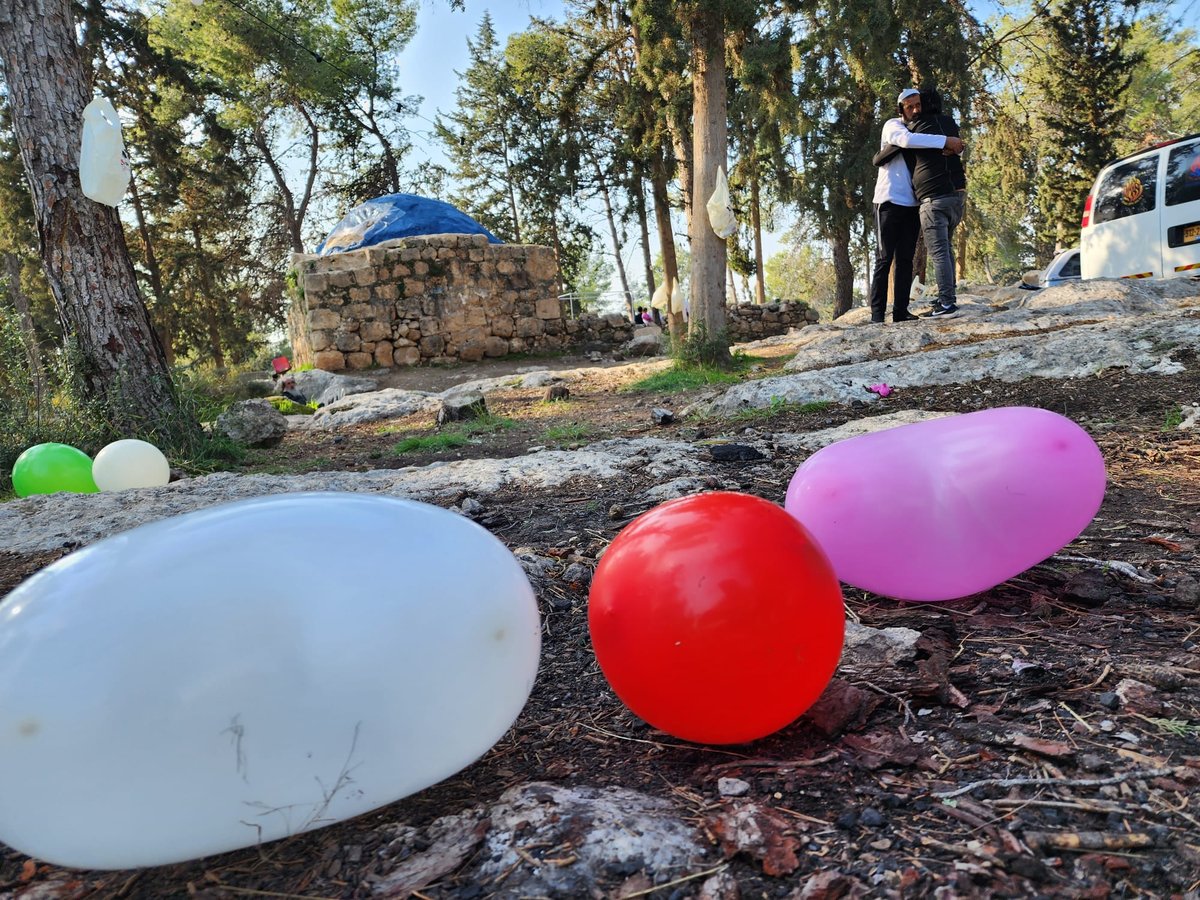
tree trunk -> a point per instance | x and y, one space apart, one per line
156 284
639 198
760 285
616 238
390 165
843 272
288 201
82 244
710 152
733 294
666 238
211 314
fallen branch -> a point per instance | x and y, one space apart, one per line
1129 570
1050 782
658 887
1087 840
777 763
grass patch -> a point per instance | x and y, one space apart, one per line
682 377
779 406
291 407
454 435
1174 419
566 434
443 440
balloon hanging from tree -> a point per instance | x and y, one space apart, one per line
716 618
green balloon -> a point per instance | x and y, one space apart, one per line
49 468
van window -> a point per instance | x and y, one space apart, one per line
1070 268
1183 174
1127 190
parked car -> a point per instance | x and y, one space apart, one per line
1142 217
1064 268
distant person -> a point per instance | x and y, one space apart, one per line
897 220
941 185
637 316
287 388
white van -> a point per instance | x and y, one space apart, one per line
1142 218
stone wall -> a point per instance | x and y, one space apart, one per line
448 297
748 322
435 299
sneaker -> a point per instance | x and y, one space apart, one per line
905 317
942 312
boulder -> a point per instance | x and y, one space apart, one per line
255 423
647 342
460 407
323 387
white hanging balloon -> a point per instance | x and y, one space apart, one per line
130 463
184 688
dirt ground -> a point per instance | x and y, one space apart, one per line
1004 763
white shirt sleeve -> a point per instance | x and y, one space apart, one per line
894 132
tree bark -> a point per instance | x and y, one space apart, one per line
639 198
843 272
288 206
82 244
212 318
760 285
666 237
710 152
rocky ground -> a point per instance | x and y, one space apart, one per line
1040 739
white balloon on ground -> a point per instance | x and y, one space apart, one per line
130 463
187 688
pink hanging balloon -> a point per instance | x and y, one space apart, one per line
949 507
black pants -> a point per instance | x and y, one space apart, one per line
896 230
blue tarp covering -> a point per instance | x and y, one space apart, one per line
396 216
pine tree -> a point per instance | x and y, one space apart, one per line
1088 68
83 248
480 138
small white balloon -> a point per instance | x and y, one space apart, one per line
187 688
130 464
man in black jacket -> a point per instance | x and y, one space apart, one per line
941 187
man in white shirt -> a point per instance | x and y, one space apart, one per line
897 219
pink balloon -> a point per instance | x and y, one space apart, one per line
949 507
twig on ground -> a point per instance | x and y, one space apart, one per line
1129 570
1087 840
658 887
777 763
1050 782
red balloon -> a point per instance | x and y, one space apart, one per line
716 618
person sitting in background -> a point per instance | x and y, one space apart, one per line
287 388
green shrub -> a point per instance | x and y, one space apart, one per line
41 409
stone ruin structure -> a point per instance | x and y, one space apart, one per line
448 297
